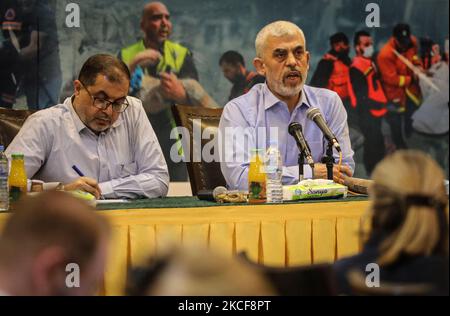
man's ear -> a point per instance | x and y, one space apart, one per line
308 56
77 86
48 271
259 66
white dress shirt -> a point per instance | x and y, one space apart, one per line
126 160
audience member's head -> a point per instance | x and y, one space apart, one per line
53 244
408 207
233 65
281 57
155 23
197 272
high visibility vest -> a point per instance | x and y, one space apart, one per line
396 77
375 90
173 59
174 55
339 78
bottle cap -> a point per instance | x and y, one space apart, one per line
273 142
17 156
2 148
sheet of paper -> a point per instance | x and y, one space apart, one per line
112 201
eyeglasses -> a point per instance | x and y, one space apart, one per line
102 104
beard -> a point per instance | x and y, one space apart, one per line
281 88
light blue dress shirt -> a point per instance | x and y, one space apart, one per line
126 160
260 116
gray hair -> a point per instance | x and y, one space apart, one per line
277 29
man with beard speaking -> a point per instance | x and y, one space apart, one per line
265 112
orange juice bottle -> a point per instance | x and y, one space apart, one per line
17 178
257 178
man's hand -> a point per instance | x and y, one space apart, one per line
320 172
85 184
172 88
148 57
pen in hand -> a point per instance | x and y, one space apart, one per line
81 174
78 171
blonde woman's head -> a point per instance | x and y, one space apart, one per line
408 206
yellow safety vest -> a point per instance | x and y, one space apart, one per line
174 55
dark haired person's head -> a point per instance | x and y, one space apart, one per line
402 36
339 43
408 207
363 44
101 91
47 238
233 65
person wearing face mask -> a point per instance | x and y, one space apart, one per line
429 53
233 68
368 98
263 114
400 83
333 73
431 120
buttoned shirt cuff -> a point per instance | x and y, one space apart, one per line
107 189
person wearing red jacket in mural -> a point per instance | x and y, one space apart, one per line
399 82
368 99
333 72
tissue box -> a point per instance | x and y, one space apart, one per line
314 189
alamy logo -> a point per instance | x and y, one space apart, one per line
373 19
73 276
233 144
373 276
73 17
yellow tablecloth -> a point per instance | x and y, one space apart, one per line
276 235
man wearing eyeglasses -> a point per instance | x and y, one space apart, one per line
99 140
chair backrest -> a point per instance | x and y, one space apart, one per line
10 123
202 175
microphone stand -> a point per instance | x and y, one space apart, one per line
301 163
328 160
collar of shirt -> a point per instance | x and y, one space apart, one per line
270 99
79 125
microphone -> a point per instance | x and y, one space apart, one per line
295 129
210 195
315 115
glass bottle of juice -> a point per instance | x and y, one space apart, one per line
17 178
257 178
